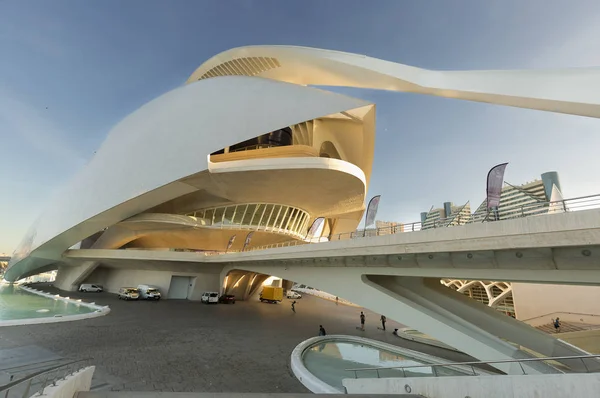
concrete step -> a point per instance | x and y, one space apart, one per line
564 327
133 394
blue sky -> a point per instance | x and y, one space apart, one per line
70 70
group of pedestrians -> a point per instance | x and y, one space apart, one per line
363 318
382 319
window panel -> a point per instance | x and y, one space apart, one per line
239 214
249 213
290 221
218 216
269 216
256 214
264 215
228 218
285 217
208 215
295 220
278 217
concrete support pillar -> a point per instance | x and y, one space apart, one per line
251 279
287 285
69 278
256 285
479 320
243 284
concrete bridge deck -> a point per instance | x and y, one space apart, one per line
557 248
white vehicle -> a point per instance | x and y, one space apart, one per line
293 295
129 293
149 292
210 297
87 287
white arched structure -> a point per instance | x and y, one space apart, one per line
246 132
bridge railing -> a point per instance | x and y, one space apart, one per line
527 210
591 366
37 382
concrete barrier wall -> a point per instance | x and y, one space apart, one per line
78 381
534 386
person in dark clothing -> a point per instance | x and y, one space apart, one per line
383 320
362 320
322 331
294 306
557 325
395 332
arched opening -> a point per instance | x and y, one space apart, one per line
328 150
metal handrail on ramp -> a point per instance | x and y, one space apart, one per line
434 366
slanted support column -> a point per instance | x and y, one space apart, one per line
479 319
69 278
435 310
251 279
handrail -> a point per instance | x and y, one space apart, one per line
473 363
30 377
527 210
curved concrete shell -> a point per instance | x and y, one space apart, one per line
160 153
554 90
157 159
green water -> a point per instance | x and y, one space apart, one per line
16 303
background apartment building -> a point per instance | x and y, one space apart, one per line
446 216
523 200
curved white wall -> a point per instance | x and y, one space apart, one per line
164 141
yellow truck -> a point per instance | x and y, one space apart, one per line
271 294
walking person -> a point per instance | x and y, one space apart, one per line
336 300
294 306
557 325
362 320
322 331
383 321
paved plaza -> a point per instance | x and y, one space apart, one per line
186 346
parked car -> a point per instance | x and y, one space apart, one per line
149 292
227 299
210 297
87 287
129 293
293 295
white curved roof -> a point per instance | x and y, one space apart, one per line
140 163
572 91
144 157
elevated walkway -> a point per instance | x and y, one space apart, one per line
555 248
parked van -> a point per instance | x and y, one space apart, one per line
129 293
88 287
210 297
149 292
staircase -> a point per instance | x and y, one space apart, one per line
565 327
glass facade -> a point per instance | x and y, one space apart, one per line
258 217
